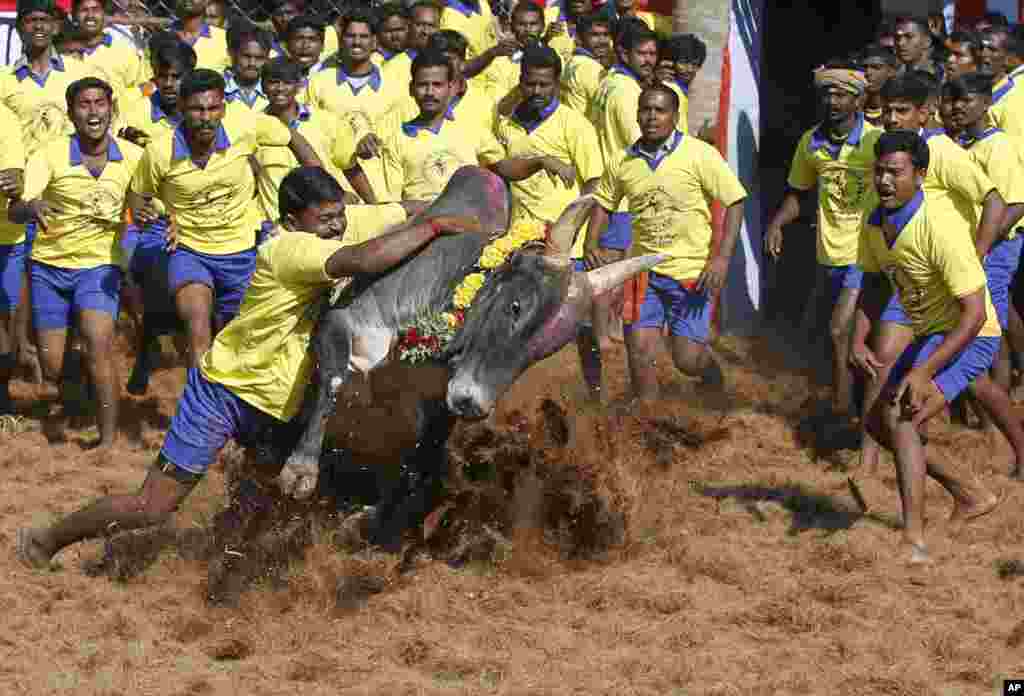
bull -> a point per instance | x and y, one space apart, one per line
528 309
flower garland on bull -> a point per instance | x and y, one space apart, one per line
429 334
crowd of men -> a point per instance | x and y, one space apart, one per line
918 163
260 167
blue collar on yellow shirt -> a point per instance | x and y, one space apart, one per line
75 152
462 7
664 150
683 87
967 141
156 112
820 139
412 130
1003 90
374 82
583 52
625 70
204 31
386 54
304 114
929 133
899 217
544 115
181 149
107 41
22 70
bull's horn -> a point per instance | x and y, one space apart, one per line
615 274
563 232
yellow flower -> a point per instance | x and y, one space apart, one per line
492 257
468 289
505 245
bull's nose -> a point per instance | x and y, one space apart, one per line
465 406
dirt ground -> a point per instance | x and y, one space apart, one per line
695 549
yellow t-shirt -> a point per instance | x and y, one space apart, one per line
846 187
954 179
669 198
564 44
262 355
473 107
213 205
501 76
683 92
147 116
84 233
930 268
564 134
1007 110
331 140
366 222
41 103
581 78
1001 157
418 162
121 63
12 156
475 25
398 70
211 47
614 110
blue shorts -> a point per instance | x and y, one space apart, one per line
148 248
208 415
30 234
894 311
60 293
667 301
619 232
227 275
1000 266
839 278
957 375
12 272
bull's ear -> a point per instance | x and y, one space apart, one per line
563 232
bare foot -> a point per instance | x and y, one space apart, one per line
31 550
962 514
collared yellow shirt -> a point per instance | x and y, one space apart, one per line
501 76
930 268
84 232
12 156
213 206
121 64
614 114
581 78
398 70
1001 157
846 187
954 179
1007 110
419 162
477 25
564 134
564 44
263 355
331 139
41 103
669 198
366 222
474 108
211 47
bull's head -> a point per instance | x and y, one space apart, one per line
527 310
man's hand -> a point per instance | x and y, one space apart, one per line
913 392
712 278
507 45
457 224
172 234
134 135
559 170
599 257
773 241
865 360
12 183
369 147
554 29
41 210
145 214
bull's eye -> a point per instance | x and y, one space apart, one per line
514 309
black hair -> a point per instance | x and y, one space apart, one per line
904 141
540 56
276 5
631 35
26 7
282 69
928 79
448 41
968 38
527 7
966 85
391 9
996 19
659 88
431 59
157 38
919 22
303 187
241 33
906 88
585 23
688 48
1015 41
886 27
70 30
882 53
176 53
79 86
360 15
199 81
305 21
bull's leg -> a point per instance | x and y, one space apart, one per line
411 497
302 469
